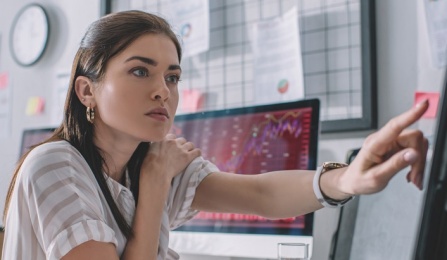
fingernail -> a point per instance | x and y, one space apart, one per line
408 177
422 103
410 156
420 180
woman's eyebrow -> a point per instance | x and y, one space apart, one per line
152 62
148 61
174 67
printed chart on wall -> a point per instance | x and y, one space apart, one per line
60 89
435 11
277 60
190 20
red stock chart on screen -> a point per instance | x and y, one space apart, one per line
253 143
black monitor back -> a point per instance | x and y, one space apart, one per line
431 242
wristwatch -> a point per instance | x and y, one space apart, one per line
324 200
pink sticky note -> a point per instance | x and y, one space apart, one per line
40 105
433 99
192 100
35 106
4 77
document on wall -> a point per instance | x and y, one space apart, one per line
60 89
278 70
190 19
436 14
5 105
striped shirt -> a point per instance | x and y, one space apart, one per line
57 205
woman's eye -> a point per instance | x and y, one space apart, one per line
173 79
140 72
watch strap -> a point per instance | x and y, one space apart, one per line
324 200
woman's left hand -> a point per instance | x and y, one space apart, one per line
387 152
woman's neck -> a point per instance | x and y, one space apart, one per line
115 158
115 147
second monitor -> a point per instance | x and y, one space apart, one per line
252 140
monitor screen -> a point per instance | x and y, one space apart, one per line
34 136
431 242
254 140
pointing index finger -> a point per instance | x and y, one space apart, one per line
395 126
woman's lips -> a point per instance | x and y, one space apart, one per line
160 114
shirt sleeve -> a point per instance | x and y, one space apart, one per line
64 203
183 191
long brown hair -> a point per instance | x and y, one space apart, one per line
103 40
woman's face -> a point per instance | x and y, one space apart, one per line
138 96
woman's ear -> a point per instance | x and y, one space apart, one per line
84 91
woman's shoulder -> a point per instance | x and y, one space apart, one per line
53 157
54 151
58 147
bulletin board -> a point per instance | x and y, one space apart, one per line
337 47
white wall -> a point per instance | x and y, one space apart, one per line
68 22
386 222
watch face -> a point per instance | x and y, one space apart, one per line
29 34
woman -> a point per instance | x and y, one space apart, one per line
110 183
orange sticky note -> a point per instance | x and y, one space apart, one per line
192 100
4 80
433 99
35 106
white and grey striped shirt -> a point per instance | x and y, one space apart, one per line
57 205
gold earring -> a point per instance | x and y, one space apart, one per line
90 114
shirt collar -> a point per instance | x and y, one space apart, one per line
117 188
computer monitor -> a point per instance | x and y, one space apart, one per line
250 140
31 137
431 242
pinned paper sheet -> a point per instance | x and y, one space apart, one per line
4 78
278 42
35 106
192 100
433 99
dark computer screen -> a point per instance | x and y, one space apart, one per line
431 242
34 136
254 140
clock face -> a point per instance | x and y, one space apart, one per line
29 35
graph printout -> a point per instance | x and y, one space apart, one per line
190 19
277 60
436 11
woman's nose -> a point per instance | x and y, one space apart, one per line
161 90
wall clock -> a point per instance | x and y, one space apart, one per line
29 34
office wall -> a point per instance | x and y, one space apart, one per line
385 228
68 21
